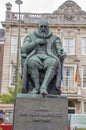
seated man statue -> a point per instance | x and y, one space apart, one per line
41 52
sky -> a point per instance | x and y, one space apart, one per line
36 6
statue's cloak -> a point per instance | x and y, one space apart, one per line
53 47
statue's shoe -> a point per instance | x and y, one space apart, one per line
43 92
24 90
34 91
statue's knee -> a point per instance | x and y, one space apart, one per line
31 63
54 62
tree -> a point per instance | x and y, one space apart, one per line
9 97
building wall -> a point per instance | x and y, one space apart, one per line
1 55
1 62
67 22
6 62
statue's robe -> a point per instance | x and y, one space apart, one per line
54 48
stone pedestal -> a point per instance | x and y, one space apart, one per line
34 112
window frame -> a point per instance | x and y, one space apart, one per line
82 45
71 65
13 85
73 52
83 110
15 45
82 77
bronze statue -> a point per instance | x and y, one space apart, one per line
42 59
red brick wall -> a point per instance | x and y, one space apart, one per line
1 62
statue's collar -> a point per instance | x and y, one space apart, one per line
39 35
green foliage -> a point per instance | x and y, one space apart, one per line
81 129
9 97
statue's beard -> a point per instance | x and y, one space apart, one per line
43 33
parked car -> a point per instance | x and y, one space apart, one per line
77 121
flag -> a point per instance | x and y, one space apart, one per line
62 72
76 78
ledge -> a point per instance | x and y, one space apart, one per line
40 96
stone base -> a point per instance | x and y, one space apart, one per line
40 113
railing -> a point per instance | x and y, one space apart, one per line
52 18
69 90
32 17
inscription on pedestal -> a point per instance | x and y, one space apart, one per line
42 115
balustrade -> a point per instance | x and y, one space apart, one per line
69 90
30 17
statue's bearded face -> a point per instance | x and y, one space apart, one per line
43 29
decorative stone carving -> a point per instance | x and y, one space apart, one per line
83 14
8 6
70 11
69 6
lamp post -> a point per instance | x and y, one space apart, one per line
18 2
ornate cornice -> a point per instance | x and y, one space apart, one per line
70 11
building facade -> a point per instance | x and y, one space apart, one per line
69 23
1 54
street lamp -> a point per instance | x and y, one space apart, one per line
18 2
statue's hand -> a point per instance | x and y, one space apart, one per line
62 56
40 41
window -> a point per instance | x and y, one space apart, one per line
68 44
84 104
71 103
84 76
22 39
13 75
84 46
14 42
68 80
71 107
